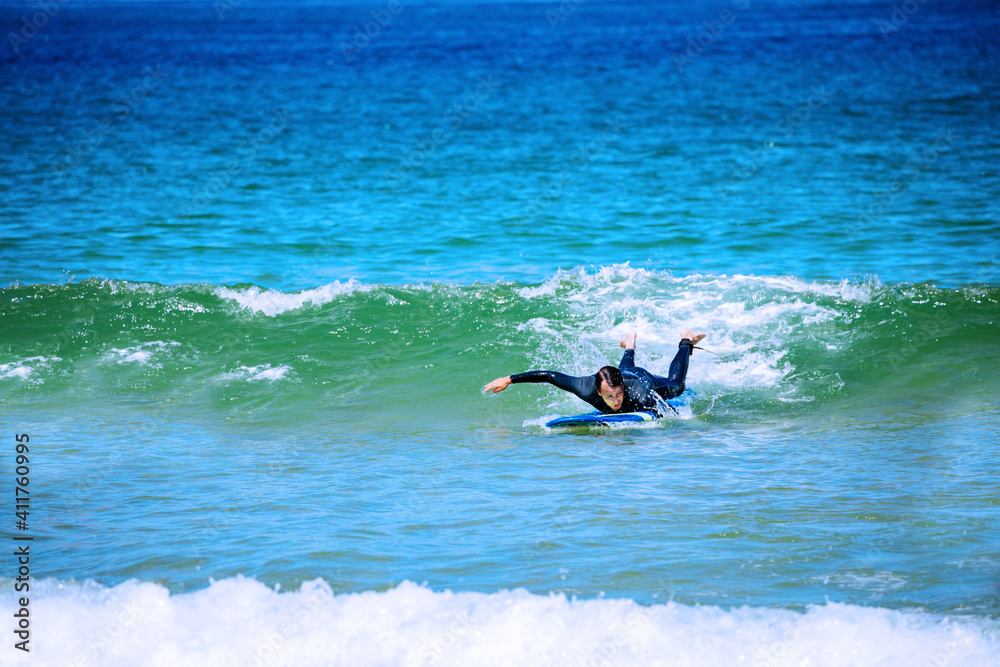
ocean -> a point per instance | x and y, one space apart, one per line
258 260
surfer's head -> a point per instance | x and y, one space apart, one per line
611 386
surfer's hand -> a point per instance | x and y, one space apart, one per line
498 385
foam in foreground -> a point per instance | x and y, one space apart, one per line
240 621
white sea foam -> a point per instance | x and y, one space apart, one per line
844 290
140 354
621 278
750 321
541 421
15 370
607 279
24 368
274 302
240 621
257 373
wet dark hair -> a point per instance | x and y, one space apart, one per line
611 376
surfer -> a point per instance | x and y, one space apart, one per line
627 388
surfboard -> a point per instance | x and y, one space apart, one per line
598 418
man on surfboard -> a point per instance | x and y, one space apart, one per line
627 388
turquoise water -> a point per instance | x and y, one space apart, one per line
247 333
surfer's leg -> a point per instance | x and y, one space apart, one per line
628 359
673 384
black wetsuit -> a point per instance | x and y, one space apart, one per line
643 390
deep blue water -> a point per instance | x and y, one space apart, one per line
588 145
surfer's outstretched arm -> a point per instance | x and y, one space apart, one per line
583 387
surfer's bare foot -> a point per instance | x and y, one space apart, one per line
692 336
628 342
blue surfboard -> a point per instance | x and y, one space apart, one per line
598 418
